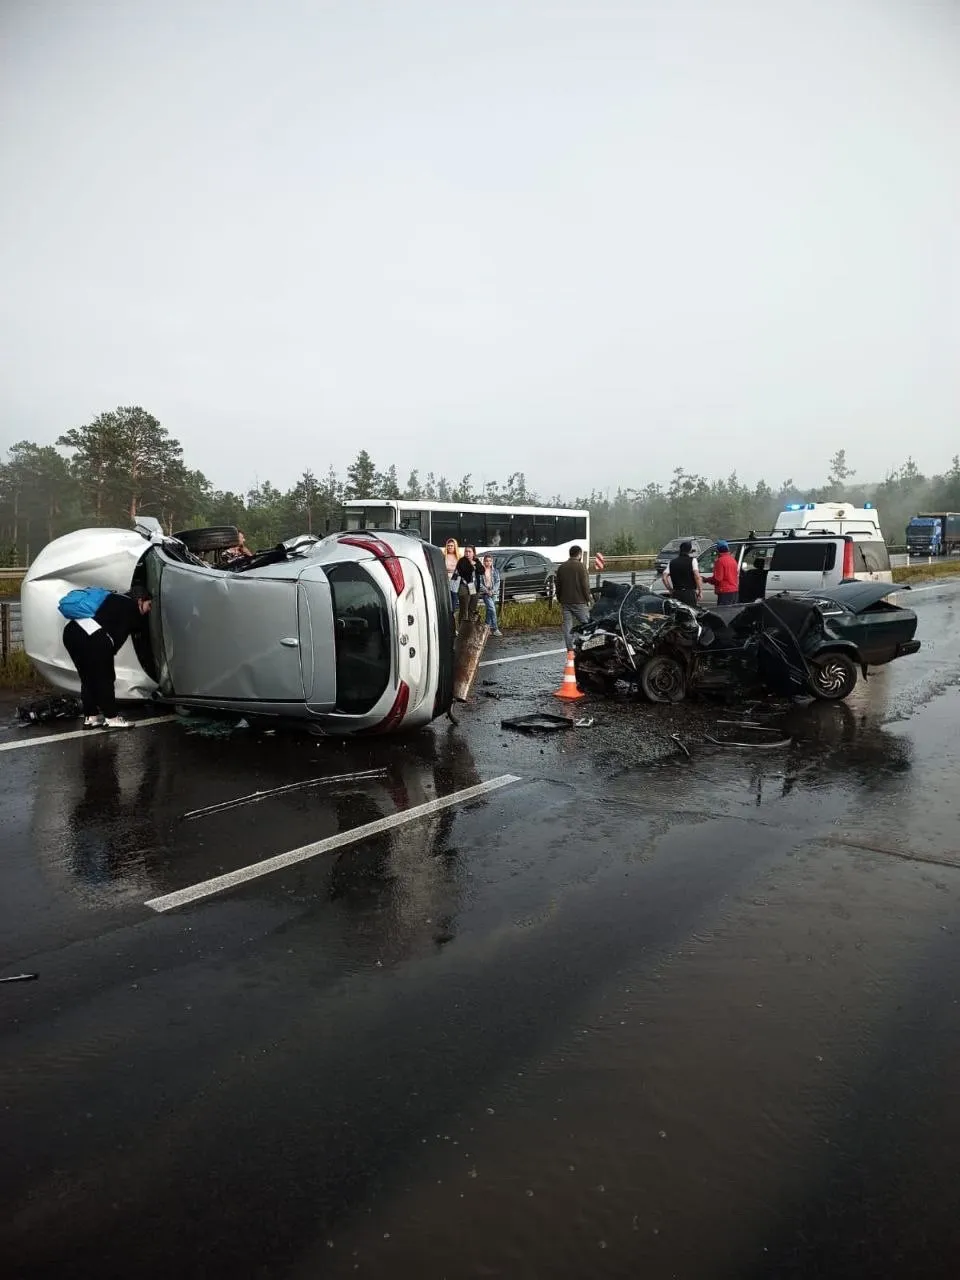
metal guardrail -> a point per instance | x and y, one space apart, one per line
11 628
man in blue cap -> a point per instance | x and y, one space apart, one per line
726 575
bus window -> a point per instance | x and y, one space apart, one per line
372 517
544 531
416 523
444 525
571 529
472 528
498 530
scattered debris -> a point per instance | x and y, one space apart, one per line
585 723
43 710
675 737
22 977
255 796
490 693
784 741
539 721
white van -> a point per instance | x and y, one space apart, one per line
786 561
830 517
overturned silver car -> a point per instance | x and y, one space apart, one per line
350 633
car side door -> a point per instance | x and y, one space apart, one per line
800 565
230 636
535 573
511 573
706 560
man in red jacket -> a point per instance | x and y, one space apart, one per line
726 575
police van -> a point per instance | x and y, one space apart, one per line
812 546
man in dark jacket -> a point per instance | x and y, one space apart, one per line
573 592
92 644
682 578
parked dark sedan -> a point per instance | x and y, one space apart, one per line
525 573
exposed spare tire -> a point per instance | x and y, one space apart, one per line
217 538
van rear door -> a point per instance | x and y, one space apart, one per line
801 565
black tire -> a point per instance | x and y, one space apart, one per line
833 676
218 538
663 680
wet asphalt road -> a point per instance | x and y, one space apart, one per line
634 1013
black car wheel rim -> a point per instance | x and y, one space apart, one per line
831 676
665 679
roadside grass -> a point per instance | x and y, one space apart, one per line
9 587
530 616
18 674
921 572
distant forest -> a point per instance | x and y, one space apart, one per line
125 462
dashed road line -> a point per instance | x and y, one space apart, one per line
207 888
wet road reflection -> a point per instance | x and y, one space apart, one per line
646 1014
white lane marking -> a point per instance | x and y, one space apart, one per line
254 797
77 733
206 888
523 657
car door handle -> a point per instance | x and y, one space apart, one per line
291 642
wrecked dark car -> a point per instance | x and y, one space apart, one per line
786 645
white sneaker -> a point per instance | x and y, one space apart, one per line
93 722
117 722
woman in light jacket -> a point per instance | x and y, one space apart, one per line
451 553
489 586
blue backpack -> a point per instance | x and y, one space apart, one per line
83 602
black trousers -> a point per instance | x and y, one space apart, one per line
686 595
92 655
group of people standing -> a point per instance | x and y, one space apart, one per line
472 583
683 580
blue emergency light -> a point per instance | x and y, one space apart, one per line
868 506
794 506
811 506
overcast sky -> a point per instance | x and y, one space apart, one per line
590 241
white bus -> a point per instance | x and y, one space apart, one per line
550 530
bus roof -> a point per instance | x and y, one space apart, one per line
410 504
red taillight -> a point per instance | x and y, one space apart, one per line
847 561
384 553
396 713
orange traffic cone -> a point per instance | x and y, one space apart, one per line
568 689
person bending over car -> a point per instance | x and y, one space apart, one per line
92 643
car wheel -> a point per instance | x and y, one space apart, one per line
834 676
663 680
218 538
550 588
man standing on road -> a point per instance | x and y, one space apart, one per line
682 578
726 575
91 644
573 592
